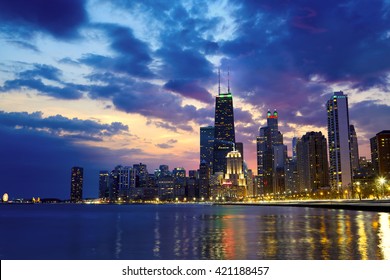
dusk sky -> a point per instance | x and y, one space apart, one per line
101 83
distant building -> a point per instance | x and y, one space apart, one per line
207 144
204 179
180 182
76 185
269 136
279 161
141 175
104 184
312 162
380 153
354 149
339 142
291 176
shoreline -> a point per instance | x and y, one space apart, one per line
356 205
361 205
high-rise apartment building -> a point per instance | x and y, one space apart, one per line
312 162
76 184
380 153
339 142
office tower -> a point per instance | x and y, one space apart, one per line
114 184
104 184
162 171
339 143
269 137
207 144
312 162
291 173
380 153
250 187
141 175
193 174
125 179
76 185
179 172
204 179
279 152
179 175
224 135
354 149
165 187
294 148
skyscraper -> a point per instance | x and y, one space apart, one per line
380 153
76 185
269 137
224 135
339 142
207 144
354 149
312 162
104 184
141 175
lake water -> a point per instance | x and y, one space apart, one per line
190 231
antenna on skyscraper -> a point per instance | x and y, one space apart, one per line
228 79
219 81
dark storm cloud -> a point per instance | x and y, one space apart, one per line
370 117
149 100
60 18
66 92
168 145
132 56
61 126
189 88
337 40
42 70
184 64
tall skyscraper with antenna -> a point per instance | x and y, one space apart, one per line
224 135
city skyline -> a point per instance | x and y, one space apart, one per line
122 83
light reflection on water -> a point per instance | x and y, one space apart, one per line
191 232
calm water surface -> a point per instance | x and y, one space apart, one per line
60 231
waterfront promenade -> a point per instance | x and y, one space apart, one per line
382 205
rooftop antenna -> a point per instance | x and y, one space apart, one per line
219 81
228 80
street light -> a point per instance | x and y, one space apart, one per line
382 182
358 190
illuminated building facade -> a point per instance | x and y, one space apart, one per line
380 153
339 142
76 185
234 183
